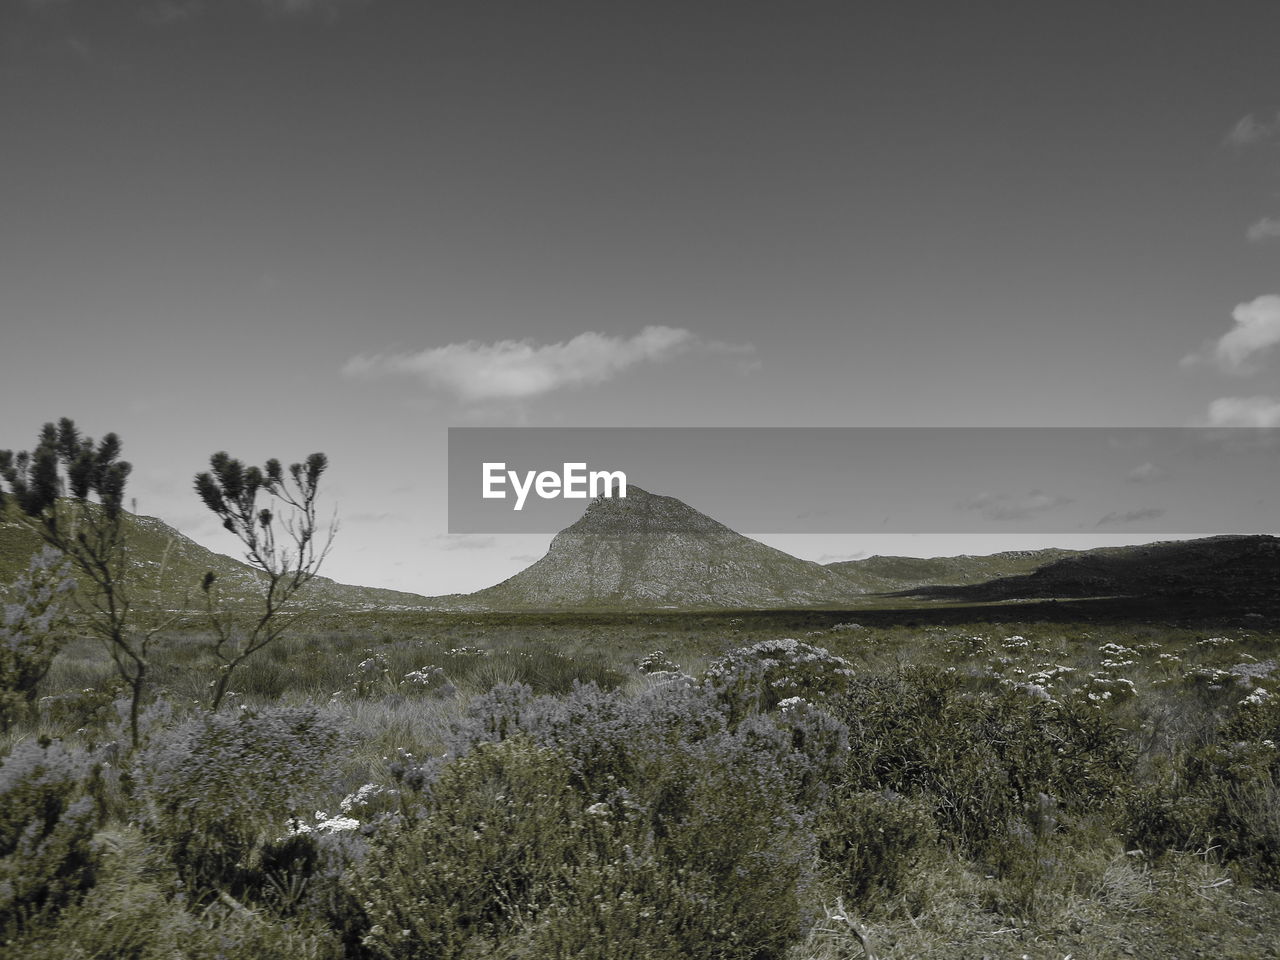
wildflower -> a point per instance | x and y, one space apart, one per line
424 676
1215 642
366 794
1256 699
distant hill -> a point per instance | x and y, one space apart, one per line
1235 568
651 551
168 567
895 574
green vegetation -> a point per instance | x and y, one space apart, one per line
659 785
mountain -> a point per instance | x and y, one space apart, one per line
652 551
168 567
895 574
1233 568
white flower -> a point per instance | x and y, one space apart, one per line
1256 699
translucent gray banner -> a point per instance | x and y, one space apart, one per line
1187 481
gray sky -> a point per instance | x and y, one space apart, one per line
279 226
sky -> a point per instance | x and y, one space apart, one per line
273 227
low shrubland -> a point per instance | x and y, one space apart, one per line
456 787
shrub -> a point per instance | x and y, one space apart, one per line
568 826
32 629
979 756
221 788
132 912
760 676
1223 794
502 825
872 839
47 857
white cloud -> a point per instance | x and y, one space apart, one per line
520 369
1268 228
1249 130
1245 412
1257 329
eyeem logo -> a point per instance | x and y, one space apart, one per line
573 483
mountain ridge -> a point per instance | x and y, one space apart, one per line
167 567
651 550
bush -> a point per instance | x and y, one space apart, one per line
32 630
758 677
502 826
223 787
980 757
1222 795
571 826
47 856
132 912
872 839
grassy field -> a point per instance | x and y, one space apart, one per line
1047 780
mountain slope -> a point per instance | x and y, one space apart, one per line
167 568
1237 568
894 574
650 551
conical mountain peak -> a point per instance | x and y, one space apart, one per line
647 550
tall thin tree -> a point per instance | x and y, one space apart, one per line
282 538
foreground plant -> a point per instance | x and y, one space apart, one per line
282 540
32 630
71 492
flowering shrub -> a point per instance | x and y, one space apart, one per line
657 662
1209 678
219 785
32 629
1225 795
979 756
430 679
1100 688
760 676
370 674
47 858
499 835
699 855
1215 642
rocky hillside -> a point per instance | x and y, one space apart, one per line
1238 568
650 551
895 574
